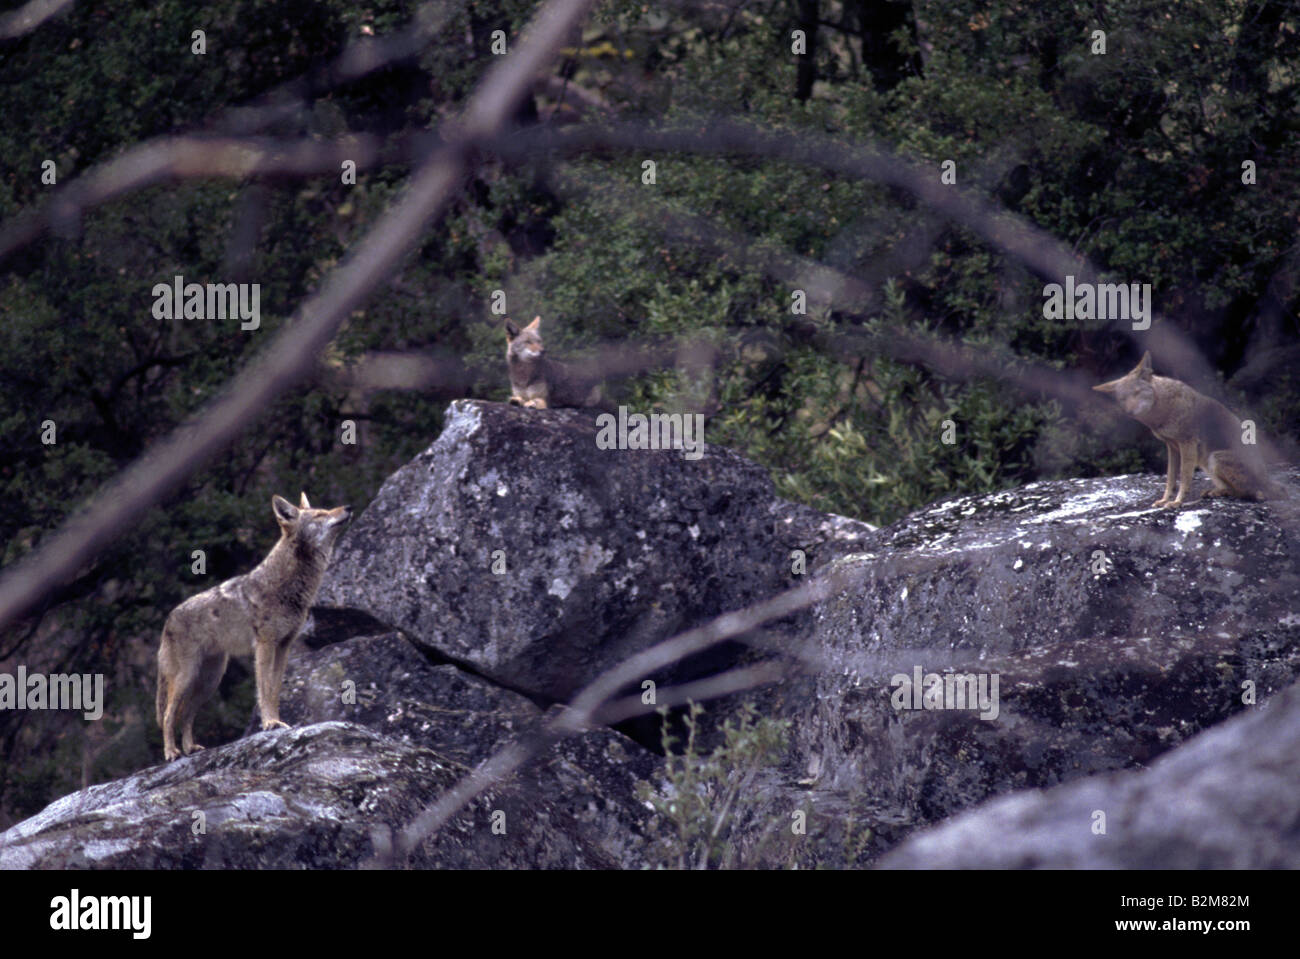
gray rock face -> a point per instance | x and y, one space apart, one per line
312 795
1228 799
386 683
1115 632
1020 569
584 787
599 553
285 799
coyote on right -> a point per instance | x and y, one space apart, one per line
1197 431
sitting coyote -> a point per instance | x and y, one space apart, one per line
1197 431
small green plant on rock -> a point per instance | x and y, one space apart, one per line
709 801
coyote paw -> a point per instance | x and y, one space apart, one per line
274 724
193 748
1162 501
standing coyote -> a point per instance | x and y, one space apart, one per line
259 613
539 382
1197 430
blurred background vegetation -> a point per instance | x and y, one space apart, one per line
1133 158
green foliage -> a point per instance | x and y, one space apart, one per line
707 800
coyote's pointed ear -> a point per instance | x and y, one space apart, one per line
284 511
302 501
1144 368
511 330
534 325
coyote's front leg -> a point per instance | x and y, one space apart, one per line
265 658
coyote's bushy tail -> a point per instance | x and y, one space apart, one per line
160 702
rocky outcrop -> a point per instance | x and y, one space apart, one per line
513 561
517 547
1115 632
383 734
1228 799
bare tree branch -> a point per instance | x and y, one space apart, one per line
429 189
377 370
292 355
30 16
190 158
727 683
167 158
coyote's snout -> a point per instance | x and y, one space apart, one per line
259 612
